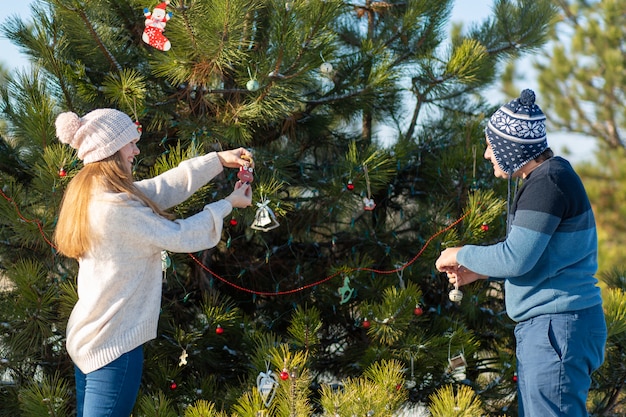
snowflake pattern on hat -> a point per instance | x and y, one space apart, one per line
517 132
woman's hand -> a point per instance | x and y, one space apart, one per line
236 158
241 196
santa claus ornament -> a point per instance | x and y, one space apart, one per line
155 25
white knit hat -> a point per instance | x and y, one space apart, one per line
98 134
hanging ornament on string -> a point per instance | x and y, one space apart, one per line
368 202
411 383
400 272
166 262
155 25
455 294
350 185
62 171
245 172
182 359
252 84
267 384
345 292
457 364
264 219
326 69
418 310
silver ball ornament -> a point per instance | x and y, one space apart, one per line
326 68
252 85
455 295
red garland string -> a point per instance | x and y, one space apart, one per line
329 277
37 222
269 293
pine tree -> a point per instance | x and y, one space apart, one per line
331 305
581 79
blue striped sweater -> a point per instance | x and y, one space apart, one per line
549 258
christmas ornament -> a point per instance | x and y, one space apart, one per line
252 85
368 202
267 384
245 172
183 358
410 384
418 311
166 262
350 185
284 374
233 222
345 292
219 329
62 172
457 362
264 219
455 295
139 127
514 377
400 272
326 68
366 323
173 385
484 227
155 25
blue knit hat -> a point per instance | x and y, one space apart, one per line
517 132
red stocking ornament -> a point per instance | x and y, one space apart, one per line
155 25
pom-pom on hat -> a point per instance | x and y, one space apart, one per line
517 132
98 134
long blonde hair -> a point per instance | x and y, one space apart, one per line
72 235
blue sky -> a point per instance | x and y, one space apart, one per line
465 11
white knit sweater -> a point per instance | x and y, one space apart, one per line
119 280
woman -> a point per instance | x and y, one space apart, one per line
547 262
117 229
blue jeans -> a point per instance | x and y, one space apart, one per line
110 391
556 355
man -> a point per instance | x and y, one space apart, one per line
547 262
